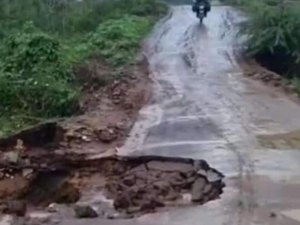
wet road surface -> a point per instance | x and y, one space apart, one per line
204 108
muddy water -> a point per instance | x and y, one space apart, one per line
204 108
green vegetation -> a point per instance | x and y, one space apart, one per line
42 41
117 39
273 31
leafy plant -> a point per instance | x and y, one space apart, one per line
37 59
273 31
32 77
118 39
71 17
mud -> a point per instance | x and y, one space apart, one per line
272 79
288 140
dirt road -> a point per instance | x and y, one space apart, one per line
204 108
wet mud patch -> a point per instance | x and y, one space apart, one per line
270 78
290 140
129 186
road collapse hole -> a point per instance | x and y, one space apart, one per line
151 182
136 185
44 135
52 186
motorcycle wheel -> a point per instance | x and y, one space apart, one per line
201 19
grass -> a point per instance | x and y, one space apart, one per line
118 39
42 41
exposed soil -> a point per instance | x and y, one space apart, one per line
134 185
110 103
257 72
289 140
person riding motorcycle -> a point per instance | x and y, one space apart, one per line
196 4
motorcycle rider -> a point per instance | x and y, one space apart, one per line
196 4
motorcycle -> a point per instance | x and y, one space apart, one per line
201 13
200 10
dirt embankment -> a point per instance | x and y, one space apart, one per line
110 103
257 72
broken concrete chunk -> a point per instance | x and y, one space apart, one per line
162 186
27 172
170 166
122 201
139 169
200 165
82 211
212 176
197 189
208 188
129 180
202 173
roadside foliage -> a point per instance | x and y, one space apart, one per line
42 41
273 31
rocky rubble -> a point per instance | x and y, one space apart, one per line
85 211
155 184
38 178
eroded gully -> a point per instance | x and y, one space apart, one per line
204 108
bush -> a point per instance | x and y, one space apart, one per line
37 60
118 39
273 32
33 79
71 17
